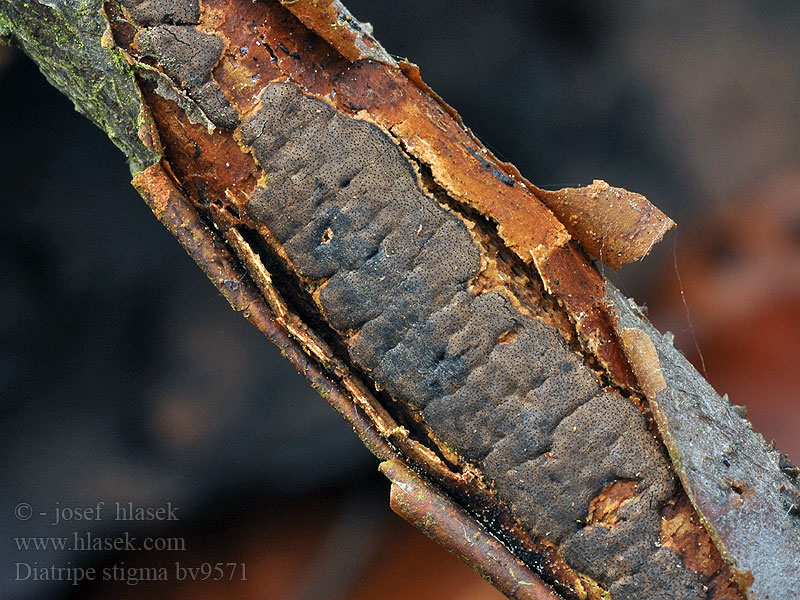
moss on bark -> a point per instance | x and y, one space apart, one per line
72 44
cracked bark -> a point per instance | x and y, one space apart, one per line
337 202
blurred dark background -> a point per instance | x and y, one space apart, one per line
125 377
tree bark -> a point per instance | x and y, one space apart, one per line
438 300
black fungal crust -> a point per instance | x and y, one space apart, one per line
660 579
187 57
392 268
171 12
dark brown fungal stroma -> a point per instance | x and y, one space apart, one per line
391 268
392 272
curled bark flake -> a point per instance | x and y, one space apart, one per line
612 224
643 358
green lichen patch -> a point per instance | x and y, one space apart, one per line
69 40
5 25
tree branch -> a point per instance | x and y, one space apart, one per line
432 295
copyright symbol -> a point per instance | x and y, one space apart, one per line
23 511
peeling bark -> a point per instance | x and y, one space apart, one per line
612 224
731 475
445 522
438 300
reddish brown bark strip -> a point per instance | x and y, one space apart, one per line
446 523
334 23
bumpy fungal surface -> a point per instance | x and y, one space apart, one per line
501 388
187 57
